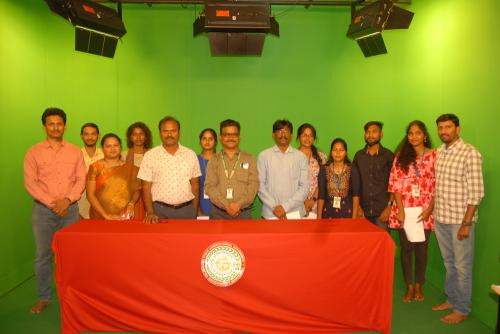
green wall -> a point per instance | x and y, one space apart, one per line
446 62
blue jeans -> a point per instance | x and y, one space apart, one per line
458 256
45 223
377 222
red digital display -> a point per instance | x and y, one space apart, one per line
222 13
88 9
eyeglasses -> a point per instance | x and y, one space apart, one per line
229 134
283 130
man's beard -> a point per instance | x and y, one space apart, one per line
372 143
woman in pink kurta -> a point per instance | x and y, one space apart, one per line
306 135
412 181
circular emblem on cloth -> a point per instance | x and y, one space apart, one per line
223 263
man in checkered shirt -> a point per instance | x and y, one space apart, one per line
459 190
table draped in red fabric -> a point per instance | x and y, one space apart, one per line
300 277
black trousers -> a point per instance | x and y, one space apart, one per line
408 248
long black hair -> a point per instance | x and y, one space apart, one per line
314 150
347 161
405 152
148 141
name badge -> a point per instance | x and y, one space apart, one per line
205 196
336 202
415 190
229 193
245 165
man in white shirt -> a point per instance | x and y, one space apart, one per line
170 177
91 153
284 176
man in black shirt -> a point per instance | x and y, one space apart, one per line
373 164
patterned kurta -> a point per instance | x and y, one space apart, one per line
314 166
348 187
401 182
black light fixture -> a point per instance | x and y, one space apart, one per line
236 27
97 27
368 22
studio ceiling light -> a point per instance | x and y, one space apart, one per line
97 27
236 27
368 22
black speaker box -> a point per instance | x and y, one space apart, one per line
236 44
93 42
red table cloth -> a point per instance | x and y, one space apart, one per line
300 277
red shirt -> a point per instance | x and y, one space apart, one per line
51 174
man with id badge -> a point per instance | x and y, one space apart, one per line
231 181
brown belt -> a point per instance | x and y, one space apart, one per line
173 206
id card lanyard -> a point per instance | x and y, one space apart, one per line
415 189
229 190
338 181
205 163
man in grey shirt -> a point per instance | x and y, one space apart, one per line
283 175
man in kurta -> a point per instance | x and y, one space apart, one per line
91 153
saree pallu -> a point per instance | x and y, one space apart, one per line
114 189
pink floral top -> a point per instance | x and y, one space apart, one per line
401 182
314 166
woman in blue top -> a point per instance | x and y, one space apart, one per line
208 142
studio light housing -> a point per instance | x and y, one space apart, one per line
97 27
236 27
368 23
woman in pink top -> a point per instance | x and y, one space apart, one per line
412 181
306 135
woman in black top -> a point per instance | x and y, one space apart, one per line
338 184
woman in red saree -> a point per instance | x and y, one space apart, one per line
113 188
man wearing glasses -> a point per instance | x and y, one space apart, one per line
284 176
231 182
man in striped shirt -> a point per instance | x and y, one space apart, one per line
459 190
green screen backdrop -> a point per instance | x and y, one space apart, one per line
446 62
